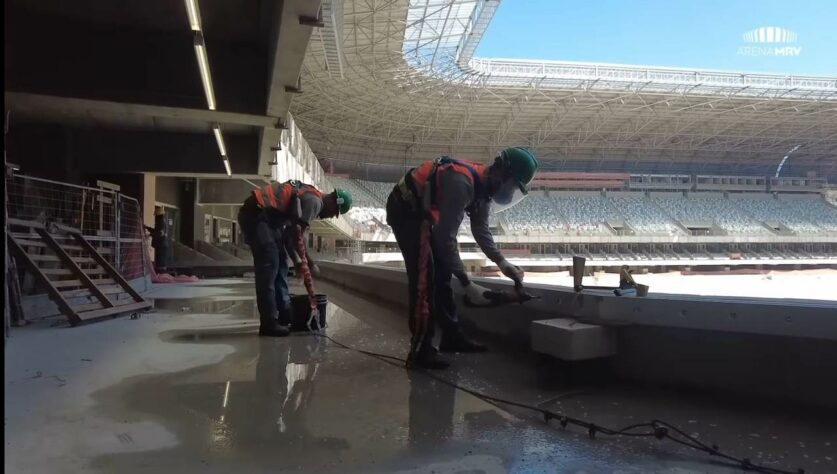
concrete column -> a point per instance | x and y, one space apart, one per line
149 194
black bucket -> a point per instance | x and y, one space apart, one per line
302 312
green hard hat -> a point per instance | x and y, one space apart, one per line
344 200
520 163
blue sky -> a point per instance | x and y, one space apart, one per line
681 33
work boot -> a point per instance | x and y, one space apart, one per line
275 331
460 343
428 358
285 316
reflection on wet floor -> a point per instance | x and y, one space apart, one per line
302 404
244 308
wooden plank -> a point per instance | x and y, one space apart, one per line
114 290
44 258
104 281
70 263
53 258
75 248
107 266
87 307
56 271
48 285
66 283
99 313
30 243
94 271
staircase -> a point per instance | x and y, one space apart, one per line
75 275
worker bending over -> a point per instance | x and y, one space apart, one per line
425 210
276 217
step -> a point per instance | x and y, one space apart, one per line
86 307
66 283
113 290
56 271
99 313
94 271
53 258
30 243
32 235
103 281
70 248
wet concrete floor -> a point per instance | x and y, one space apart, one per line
191 388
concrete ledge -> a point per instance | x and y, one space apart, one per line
766 316
568 339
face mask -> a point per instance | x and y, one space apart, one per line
510 193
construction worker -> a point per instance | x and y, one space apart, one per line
425 210
274 218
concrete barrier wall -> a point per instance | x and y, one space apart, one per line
783 348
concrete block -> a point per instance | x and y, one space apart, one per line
568 339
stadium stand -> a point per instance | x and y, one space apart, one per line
579 213
714 209
585 213
813 209
535 214
643 216
798 216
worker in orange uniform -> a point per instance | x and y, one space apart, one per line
276 217
425 210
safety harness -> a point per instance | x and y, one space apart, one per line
423 198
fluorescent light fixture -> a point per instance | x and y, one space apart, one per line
216 129
194 14
226 394
227 165
203 65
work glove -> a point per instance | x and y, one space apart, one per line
314 320
477 294
511 271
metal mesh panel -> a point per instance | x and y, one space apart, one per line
87 209
131 262
110 221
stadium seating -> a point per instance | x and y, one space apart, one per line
716 210
790 213
813 211
585 214
535 214
645 217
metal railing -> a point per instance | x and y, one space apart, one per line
106 218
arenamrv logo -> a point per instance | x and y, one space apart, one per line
769 41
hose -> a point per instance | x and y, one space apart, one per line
655 428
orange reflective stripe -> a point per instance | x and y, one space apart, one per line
259 197
271 196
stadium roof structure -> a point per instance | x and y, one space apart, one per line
395 82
